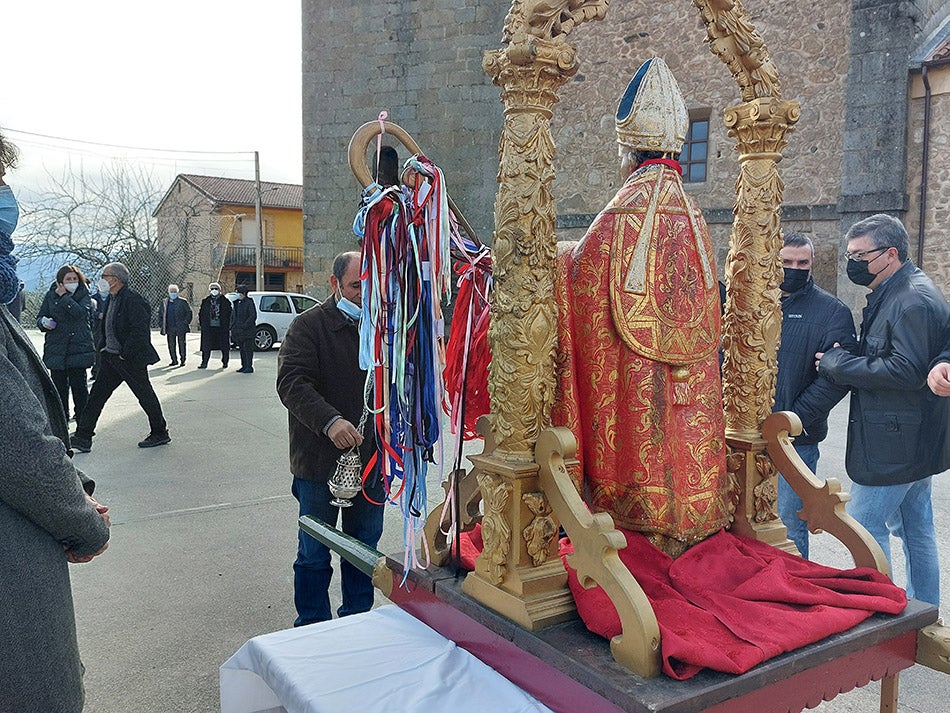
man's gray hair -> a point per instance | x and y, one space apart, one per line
883 231
174 287
342 261
798 240
119 270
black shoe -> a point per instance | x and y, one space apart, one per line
248 370
155 439
224 365
203 365
174 363
79 443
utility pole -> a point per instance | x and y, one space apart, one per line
259 253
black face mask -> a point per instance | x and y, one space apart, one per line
859 273
795 279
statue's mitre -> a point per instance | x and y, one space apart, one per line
652 115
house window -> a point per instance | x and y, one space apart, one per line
695 150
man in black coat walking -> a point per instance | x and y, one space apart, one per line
126 356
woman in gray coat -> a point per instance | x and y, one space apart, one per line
46 521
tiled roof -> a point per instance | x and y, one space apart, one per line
940 53
240 191
935 50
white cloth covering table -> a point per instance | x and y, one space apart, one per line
383 660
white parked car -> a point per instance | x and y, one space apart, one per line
275 312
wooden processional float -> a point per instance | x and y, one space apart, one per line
521 478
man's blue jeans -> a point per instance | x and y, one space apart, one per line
789 503
313 571
906 511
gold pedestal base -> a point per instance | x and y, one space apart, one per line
518 574
544 601
756 512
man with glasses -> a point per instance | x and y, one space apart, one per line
897 426
126 356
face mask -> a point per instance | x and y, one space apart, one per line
859 273
9 214
71 287
795 279
173 295
103 286
348 308
103 293
215 293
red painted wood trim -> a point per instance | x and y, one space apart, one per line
809 688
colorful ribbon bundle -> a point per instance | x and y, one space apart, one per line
467 354
405 274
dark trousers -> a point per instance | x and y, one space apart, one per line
246 346
95 367
112 372
313 571
179 340
74 380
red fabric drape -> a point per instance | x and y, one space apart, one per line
730 602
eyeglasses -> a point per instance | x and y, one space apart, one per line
862 254
107 274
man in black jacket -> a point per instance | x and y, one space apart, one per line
812 321
176 316
126 356
320 382
243 326
897 426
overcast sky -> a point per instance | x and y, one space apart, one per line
181 76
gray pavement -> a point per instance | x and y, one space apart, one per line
204 536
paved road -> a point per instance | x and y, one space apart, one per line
204 535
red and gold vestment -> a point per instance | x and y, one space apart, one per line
638 377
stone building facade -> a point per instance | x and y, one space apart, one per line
854 65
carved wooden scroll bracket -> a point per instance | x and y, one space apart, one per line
823 502
595 557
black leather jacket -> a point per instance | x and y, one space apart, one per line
897 426
812 321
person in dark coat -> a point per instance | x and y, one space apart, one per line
812 321
243 325
68 349
320 382
176 318
214 321
101 300
897 427
126 356
47 517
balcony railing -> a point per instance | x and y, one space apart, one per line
246 256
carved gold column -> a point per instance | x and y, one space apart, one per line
753 318
519 573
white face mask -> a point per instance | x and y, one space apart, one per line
215 293
71 287
103 286
350 309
